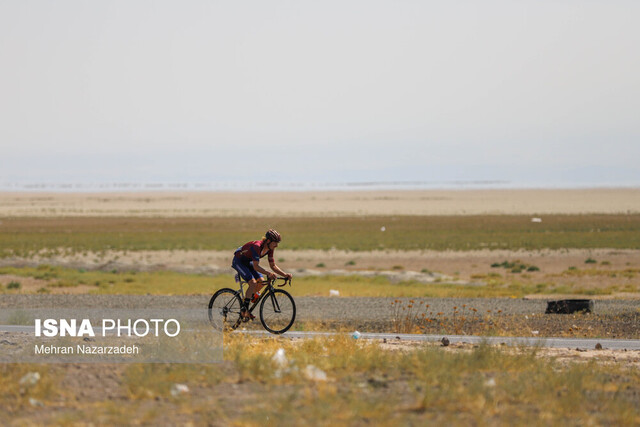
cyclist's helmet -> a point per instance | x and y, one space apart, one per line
273 235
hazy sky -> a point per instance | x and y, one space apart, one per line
521 91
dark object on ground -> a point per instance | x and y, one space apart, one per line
598 346
445 342
568 306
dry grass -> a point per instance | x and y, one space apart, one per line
149 381
484 384
417 317
14 397
364 384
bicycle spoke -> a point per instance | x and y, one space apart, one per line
277 312
224 310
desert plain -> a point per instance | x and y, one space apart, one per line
496 249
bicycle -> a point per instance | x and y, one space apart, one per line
277 307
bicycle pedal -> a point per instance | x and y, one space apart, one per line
246 319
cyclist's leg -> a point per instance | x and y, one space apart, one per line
247 299
243 268
255 284
253 279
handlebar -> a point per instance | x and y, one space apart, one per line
284 279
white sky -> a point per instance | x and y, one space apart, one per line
523 91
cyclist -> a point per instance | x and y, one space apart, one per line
246 261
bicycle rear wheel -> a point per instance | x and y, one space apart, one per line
224 309
277 311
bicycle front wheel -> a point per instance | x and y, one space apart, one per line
277 311
224 309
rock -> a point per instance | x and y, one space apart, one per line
35 402
598 346
31 378
313 373
334 293
569 306
377 382
445 341
178 389
490 382
280 359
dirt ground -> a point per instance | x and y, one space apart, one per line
564 355
81 387
86 385
336 203
613 268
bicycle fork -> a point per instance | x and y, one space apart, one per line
274 301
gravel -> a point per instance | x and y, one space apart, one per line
313 308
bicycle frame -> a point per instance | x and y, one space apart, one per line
233 306
269 285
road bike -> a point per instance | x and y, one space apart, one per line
277 307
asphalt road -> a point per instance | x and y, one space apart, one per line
310 308
572 343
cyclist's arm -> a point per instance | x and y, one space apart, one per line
277 269
256 265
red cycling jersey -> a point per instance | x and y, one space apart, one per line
251 251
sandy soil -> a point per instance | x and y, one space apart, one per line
423 202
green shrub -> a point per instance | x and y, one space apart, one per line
590 261
14 285
63 284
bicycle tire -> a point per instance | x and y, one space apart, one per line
224 309
272 320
